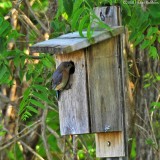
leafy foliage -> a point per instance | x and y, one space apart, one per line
79 15
39 91
16 65
143 25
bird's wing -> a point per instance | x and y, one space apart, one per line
56 79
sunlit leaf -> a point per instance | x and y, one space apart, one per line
152 30
147 85
145 44
37 103
153 52
32 109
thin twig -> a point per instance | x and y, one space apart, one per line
142 128
31 150
75 144
130 52
14 9
141 119
28 56
29 22
154 107
38 20
84 144
44 137
53 132
25 132
64 149
152 129
53 109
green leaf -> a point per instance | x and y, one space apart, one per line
5 25
154 10
68 6
147 77
145 44
77 5
158 77
25 100
47 63
32 109
26 93
157 104
1 20
42 96
139 39
41 88
82 25
37 103
2 133
3 70
39 80
126 9
159 39
134 34
153 52
151 31
147 85
76 17
89 32
150 142
28 113
24 117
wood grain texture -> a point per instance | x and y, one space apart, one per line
73 103
73 42
110 144
104 87
107 14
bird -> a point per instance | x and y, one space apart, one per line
61 76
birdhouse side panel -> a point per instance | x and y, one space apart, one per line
73 102
104 87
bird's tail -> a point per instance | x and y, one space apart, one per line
58 95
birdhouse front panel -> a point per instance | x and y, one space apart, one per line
73 101
104 86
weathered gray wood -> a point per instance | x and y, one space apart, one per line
72 41
110 144
73 103
113 18
104 87
109 13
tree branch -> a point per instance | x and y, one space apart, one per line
24 18
38 20
44 137
31 150
53 132
13 9
29 56
24 133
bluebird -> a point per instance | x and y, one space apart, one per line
61 76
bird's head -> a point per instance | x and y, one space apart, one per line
67 65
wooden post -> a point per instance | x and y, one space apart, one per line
111 15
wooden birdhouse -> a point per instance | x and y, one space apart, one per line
94 103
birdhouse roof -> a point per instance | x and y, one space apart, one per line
73 41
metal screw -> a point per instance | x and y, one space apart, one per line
108 143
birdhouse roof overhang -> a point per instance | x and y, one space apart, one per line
73 41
